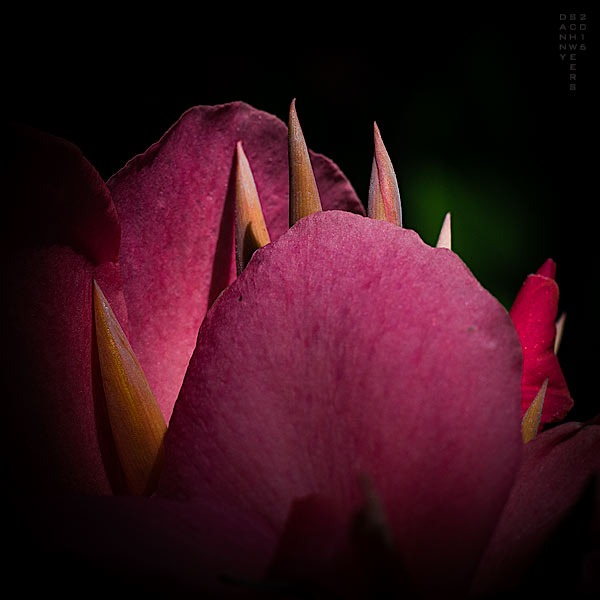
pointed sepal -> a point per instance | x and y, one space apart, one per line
560 327
384 194
531 420
445 237
304 195
250 228
375 208
136 421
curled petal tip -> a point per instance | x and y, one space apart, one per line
548 269
560 326
384 194
445 237
304 195
136 421
531 420
250 228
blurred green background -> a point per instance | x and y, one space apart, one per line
475 111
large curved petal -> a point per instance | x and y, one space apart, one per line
350 347
534 315
61 232
175 205
546 533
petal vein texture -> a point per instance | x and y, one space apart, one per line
346 348
176 205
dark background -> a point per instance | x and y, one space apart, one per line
475 111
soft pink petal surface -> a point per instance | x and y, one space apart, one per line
62 232
176 206
559 467
534 315
350 347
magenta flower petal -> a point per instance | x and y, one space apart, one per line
557 473
534 315
62 233
350 347
177 247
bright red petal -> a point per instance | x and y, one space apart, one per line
62 232
175 203
534 315
350 347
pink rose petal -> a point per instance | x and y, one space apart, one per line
63 232
350 347
175 203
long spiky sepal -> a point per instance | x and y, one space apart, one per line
250 228
384 194
304 195
137 424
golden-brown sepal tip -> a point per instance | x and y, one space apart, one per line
531 419
250 228
384 195
304 194
137 424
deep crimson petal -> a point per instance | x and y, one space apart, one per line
63 232
350 346
320 553
534 315
178 228
559 468
313 548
